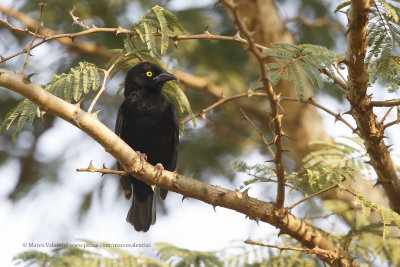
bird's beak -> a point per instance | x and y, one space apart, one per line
164 77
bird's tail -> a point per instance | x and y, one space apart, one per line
142 213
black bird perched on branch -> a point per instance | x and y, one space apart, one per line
148 123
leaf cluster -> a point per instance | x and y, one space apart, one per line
71 86
183 257
383 41
338 154
289 60
260 173
104 254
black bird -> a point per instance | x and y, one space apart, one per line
147 122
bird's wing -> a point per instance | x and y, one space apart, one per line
174 124
175 129
124 180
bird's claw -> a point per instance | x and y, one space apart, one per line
143 159
159 169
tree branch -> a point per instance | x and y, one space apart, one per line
371 131
276 118
320 22
315 251
189 187
386 103
41 6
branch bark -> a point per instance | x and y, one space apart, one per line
189 187
371 131
303 123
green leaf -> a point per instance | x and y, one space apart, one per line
290 59
163 27
297 82
341 6
69 86
150 40
173 23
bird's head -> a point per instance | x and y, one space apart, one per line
146 76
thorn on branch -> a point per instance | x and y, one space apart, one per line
96 113
27 78
177 186
42 112
175 42
118 30
90 167
206 30
75 119
237 36
214 207
368 162
246 192
221 193
79 103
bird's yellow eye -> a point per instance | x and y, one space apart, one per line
149 74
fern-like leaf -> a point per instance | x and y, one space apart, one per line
289 59
150 39
185 257
383 39
341 6
389 217
68 86
163 27
337 154
88 253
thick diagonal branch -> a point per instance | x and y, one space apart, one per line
371 131
189 187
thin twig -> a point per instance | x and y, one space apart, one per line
320 22
306 218
313 195
387 114
223 100
103 85
314 251
340 73
258 131
335 79
209 36
77 20
315 104
103 170
387 125
48 37
28 50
